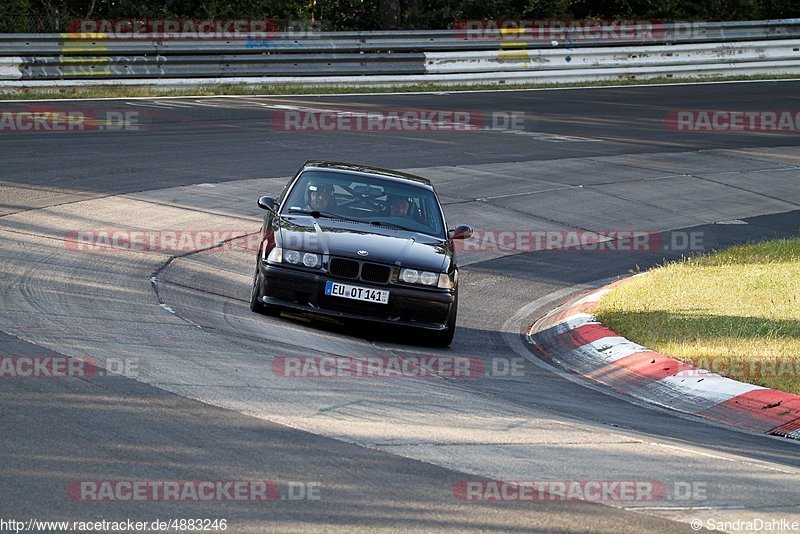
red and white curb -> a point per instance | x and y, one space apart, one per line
572 337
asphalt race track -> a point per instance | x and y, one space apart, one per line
197 397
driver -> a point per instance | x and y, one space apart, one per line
320 197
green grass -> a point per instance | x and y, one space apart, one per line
110 91
736 312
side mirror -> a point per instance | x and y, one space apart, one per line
462 231
267 203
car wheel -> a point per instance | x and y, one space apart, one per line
258 306
445 337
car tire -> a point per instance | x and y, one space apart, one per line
445 337
258 306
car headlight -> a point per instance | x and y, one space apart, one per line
295 257
425 278
291 256
409 276
428 279
311 260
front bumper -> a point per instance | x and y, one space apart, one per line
303 291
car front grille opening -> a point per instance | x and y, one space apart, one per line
371 272
344 268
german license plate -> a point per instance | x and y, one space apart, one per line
346 291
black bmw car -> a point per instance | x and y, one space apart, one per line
357 242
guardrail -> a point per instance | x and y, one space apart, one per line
392 58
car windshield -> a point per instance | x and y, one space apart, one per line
366 199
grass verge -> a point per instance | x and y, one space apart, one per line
734 312
111 91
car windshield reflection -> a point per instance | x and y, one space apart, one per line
366 199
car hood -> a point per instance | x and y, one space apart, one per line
337 237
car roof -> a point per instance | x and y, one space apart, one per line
354 168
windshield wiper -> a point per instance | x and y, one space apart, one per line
317 214
391 225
